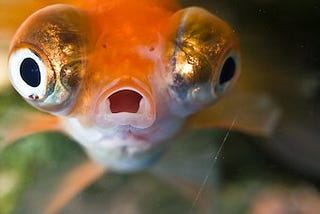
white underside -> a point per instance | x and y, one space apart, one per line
108 147
119 149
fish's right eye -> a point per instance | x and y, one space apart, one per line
48 56
30 75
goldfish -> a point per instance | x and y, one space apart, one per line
116 87
123 78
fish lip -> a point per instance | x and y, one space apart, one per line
127 133
98 136
144 118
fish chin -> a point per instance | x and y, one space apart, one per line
124 156
116 148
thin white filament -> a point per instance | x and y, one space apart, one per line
214 158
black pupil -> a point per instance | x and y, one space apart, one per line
30 72
228 70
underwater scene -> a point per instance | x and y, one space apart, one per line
255 150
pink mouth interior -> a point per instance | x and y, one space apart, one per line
125 101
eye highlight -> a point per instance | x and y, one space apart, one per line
202 54
47 57
29 74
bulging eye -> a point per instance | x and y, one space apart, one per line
48 57
202 58
29 74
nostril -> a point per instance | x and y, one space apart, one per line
125 101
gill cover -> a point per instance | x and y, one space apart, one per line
202 58
48 57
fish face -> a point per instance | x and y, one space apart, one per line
123 78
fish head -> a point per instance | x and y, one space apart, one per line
129 74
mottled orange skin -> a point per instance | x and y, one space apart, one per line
123 40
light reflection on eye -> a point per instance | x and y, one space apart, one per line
185 69
202 52
48 57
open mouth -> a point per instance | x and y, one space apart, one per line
120 106
125 101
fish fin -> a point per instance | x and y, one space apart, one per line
296 141
75 181
18 123
247 112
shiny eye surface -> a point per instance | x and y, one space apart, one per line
48 57
28 74
202 55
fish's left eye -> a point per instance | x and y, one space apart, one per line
227 73
202 58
